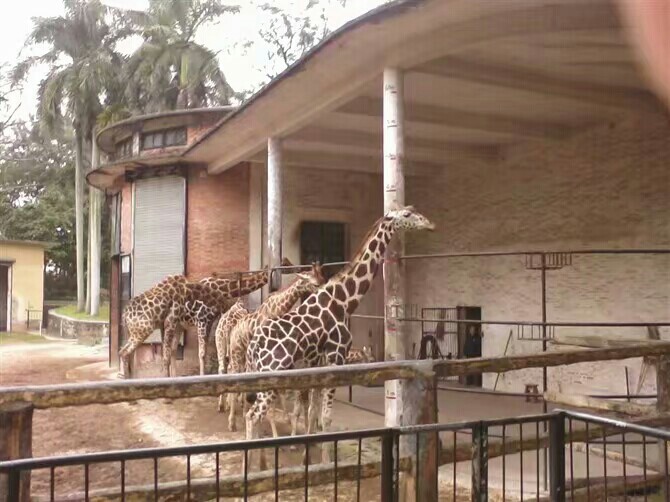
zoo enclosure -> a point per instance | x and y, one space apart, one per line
569 434
417 451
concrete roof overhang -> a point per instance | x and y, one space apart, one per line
480 76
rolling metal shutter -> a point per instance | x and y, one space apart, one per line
159 220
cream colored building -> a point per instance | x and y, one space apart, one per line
21 281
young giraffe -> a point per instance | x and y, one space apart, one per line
146 312
276 305
317 330
149 310
202 303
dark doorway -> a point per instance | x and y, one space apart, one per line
324 242
470 340
4 293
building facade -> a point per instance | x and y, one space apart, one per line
527 127
21 282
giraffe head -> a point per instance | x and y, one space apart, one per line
408 218
310 281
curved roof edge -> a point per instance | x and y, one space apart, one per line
376 15
161 115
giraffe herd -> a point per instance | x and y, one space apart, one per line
274 337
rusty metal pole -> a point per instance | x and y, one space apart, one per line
663 406
275 187
16 441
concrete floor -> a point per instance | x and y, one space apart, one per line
367 408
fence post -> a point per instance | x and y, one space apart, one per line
16 438
420 407
480 463
557 457
388 475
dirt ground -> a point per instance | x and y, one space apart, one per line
165 423
137 425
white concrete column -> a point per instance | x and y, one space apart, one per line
396 346
95 208
255 226
275 187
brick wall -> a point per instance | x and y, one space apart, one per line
604 188
217 222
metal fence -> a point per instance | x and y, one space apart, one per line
590 458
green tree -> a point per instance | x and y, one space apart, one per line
84 65
171 70
37 200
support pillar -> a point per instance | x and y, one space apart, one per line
275 187
396 346
663 406
411 402
16 440
95 209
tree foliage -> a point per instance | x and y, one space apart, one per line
171 70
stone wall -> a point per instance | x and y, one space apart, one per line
85 332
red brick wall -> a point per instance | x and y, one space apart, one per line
217 221
194 132
126 218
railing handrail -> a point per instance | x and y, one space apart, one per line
246 445
199 449
80 394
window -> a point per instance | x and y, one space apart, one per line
115 223
166 137
323 242
125 277
124 148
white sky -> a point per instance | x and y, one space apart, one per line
241 66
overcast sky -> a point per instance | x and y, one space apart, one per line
241 66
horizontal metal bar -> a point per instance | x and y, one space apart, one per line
458 426
617 424
538 324
175 451
480 254
485 254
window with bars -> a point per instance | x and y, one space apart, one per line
163 138
324 242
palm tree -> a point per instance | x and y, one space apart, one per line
83 64
170 70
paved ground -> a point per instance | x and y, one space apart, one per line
172 423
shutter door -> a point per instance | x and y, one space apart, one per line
159 219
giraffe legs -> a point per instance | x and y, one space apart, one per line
202 346
221 354
170 342
124 354
254 418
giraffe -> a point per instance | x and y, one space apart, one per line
317 330
202 303
149 310
276 305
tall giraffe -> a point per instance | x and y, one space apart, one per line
276 305
150 310
202 303
317 330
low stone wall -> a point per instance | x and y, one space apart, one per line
84 331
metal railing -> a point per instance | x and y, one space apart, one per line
590 458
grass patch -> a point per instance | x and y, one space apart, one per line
17 338
71 311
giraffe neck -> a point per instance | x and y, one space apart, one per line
280 303
237 285
357 277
